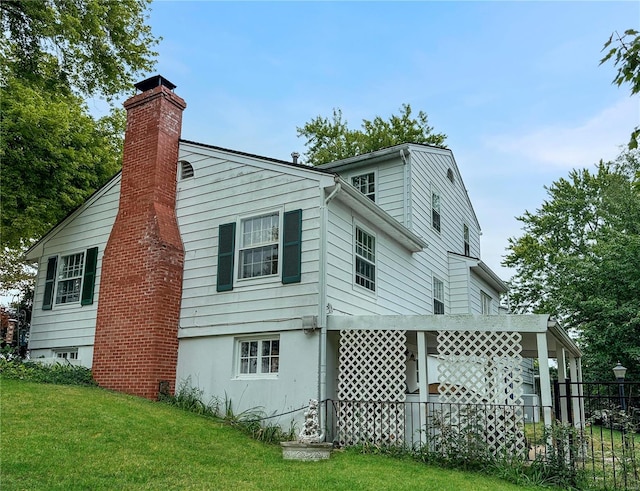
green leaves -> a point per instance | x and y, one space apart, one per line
330 139
54 156
579 258
96 47
626 57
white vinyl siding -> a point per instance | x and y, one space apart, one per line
73 325
229 188
400 288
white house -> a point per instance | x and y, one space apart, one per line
359 280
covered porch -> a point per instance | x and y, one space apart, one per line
478 361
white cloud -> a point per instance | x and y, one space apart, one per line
566 147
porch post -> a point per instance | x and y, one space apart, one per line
423 383
545 379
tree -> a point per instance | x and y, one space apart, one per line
95 47
579 258
626 56
331 139
54 154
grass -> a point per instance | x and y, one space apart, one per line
55 437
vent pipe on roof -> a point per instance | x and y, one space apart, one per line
294 156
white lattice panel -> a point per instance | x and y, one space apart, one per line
483 369
371 386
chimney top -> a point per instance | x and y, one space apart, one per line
153 82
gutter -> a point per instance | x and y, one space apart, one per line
377 216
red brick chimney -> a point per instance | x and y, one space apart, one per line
136 340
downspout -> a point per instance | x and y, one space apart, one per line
322 301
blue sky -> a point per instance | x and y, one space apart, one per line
516 86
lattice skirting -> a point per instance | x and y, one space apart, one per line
480 376
372 368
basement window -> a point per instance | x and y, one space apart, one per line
258 357
70 354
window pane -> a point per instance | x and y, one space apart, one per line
275 362
365 184
253 365
259 251
365 259
266 348
70 278
253 348
435 201
275 347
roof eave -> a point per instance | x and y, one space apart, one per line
376 215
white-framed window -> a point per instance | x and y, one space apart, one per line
69 354
485 301
259 246
467 244
258 356
366 184
438 296
365 259
435 210
70 278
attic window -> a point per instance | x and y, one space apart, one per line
186 170
450 175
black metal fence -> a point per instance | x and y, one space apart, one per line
606 416
591 434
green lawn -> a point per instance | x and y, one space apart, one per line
55 437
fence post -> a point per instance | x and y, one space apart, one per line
556 400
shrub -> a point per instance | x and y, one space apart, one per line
64 374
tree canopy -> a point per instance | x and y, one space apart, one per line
625 52
53 55
95 47
579 258
330 139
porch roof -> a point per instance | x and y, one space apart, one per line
529 326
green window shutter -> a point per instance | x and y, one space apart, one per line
47 303
292 247
89 280
226 253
